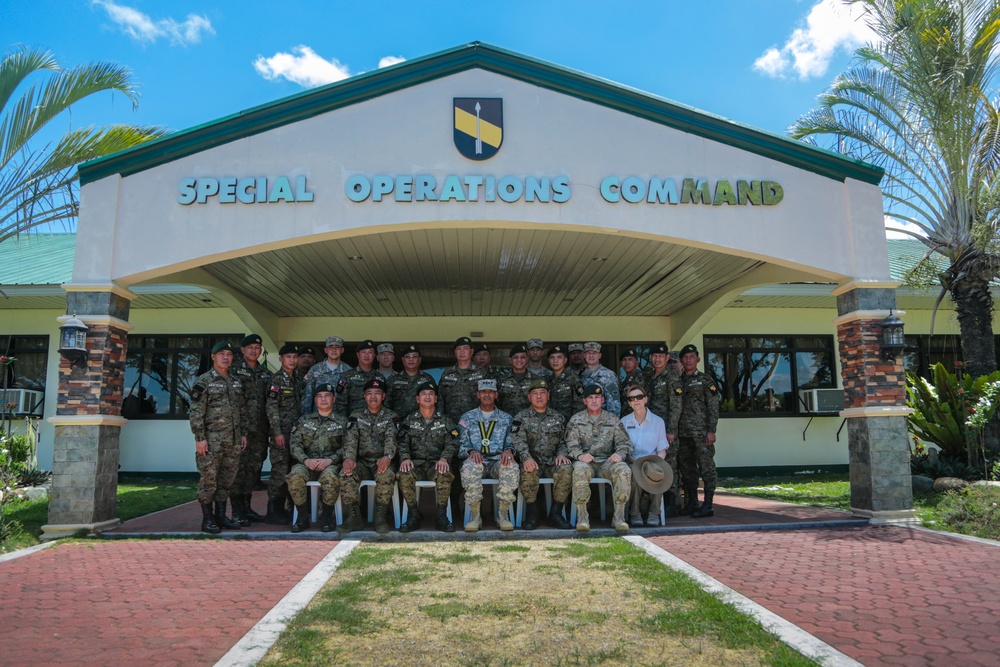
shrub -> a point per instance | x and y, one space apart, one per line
941 408
974 510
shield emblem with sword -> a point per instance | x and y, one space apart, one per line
478 126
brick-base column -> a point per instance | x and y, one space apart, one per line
875 406
88 418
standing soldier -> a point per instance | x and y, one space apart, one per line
482 357
428 441
307 359
514 387
255 379
698 419
629 361
283 409
327 371
369 448
577 363
664 390
485 444
403 386
459 384
565 388
535 352
318 448
351 387
602 376
386 357
537 436
217 421
598 444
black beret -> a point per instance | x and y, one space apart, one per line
464 340
426 386
688 348
557 349
375 383
593 390
659 348
307 349
326 386
251 339
365 345
480 348
288 348
517 349
628 353
409 349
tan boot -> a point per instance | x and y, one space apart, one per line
618 520
475 521
503 520
582 518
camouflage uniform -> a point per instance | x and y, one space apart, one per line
664 391
699 416
539 436
566 394
489 435
368 438
540 372
633 379
321 373
402 398
351 391
426 442
317 437
217 415
513 392
458 390
256 382
607 380
600 437
283 403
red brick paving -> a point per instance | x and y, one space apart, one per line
165 602
882 595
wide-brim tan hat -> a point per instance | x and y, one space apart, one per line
652 474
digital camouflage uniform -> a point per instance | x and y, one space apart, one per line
664 391
699 416
321 373
256 382
317 437
489 436
539 436
630 380
600 437
540 372
351 391
566 394
458 390
217 414
607 380
513 392
283 406
368 438
402 398
426 442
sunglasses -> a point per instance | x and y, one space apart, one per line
636 397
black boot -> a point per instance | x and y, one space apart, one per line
442 522
276 516
556 517
413 519
706 508
208 524
248 510
691 501
302 520
222 519
530 516
669 505
329 520
239 514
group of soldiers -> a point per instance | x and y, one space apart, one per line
340 426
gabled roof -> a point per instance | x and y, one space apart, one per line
492 59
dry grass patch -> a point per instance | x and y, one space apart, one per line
570 602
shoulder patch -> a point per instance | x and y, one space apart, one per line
351 421
678 390
454 432
341 386
713 390
197 391
404 427
579 390
515 426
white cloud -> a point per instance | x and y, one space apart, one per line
386 61
143 28
307 68
830 27
892 225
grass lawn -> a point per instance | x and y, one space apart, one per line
560 602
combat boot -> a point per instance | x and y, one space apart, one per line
705 510
381 524
442 522
208 524
582 518
618 520
276 516
530 517
503 518
413 518
556 517
329 519
691 501
248 510
302 520
669 505
239 516
222 519
353 519
475 521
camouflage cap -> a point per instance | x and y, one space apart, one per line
659 348
538 384
534 342
365 345
334 340
687 349
411 349
574 347
630 352
593 390
288 348
224 345
487 384
375 383
556 349
517 349
325 387
464 340
252 339
427 385
592 346
385 347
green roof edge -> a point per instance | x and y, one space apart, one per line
369 85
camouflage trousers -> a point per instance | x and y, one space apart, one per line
329 483
619 473
280 461
474 474
424 471
218 467
697 459
562 482
385 483
250 462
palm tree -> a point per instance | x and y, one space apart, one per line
920 103
38 184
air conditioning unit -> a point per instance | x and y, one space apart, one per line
822 401
27 402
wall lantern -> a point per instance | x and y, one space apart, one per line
893 338
73 342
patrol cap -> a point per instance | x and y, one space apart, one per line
482 347
575 347
306 349
334 340
251 340
628 353
534 342
375 383
385 347
426 385
487 384
593 390
659 348
224 345
538 384
326 386
464 340
288 348
411 349
365 345
688 348
556 349
517 349
592 346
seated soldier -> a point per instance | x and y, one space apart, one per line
427 442
369 448
537 435
318 446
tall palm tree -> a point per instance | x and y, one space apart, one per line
38 183
921 102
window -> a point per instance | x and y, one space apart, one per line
31 353
761 376
923 351
160 372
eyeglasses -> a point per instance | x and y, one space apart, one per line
636 397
